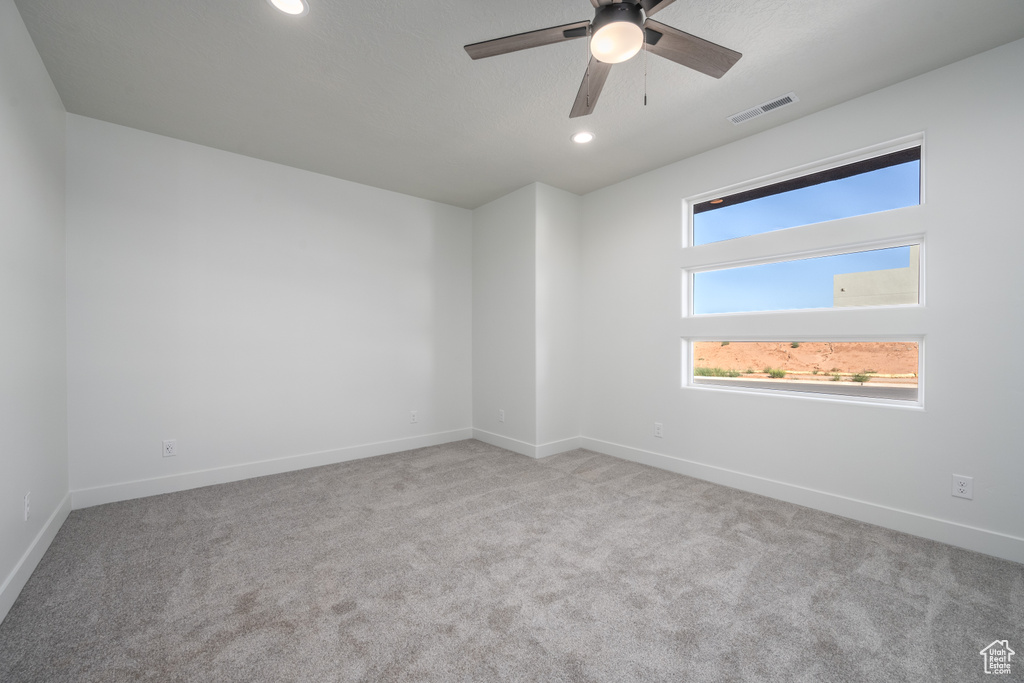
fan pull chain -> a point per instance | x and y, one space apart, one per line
645 67
589 37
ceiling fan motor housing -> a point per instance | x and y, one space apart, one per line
620 11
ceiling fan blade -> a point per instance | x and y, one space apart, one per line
523 41
586 98
652 6
680 47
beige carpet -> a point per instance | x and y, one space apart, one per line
466 562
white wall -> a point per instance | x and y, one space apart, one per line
558 304
526 321
881 464
33 417
265 317
504 320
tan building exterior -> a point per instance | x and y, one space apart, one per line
880 287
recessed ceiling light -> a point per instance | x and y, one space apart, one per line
716 201
582 137
293 7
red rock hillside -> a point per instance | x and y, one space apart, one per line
880 358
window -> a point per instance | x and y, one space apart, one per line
878 277
886 370
792 255
888 181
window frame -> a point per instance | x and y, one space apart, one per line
688 360
876 230
801 171
908 241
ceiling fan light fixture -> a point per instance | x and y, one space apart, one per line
583 137
618 33
295 8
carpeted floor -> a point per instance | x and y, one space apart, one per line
466 562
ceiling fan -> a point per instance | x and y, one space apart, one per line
619 30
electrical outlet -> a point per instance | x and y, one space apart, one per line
963 487
27 496
170 447
658 430
413 418
501 414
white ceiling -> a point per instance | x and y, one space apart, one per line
381 92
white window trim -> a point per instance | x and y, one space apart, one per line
884 229
688 382
913 240
897 145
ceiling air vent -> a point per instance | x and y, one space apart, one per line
764 108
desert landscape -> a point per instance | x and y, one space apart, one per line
876 362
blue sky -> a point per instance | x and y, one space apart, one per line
806 283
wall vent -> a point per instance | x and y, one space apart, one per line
764 108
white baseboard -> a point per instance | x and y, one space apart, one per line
112 493
556 447
19 576
524 448
972 538
506 442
